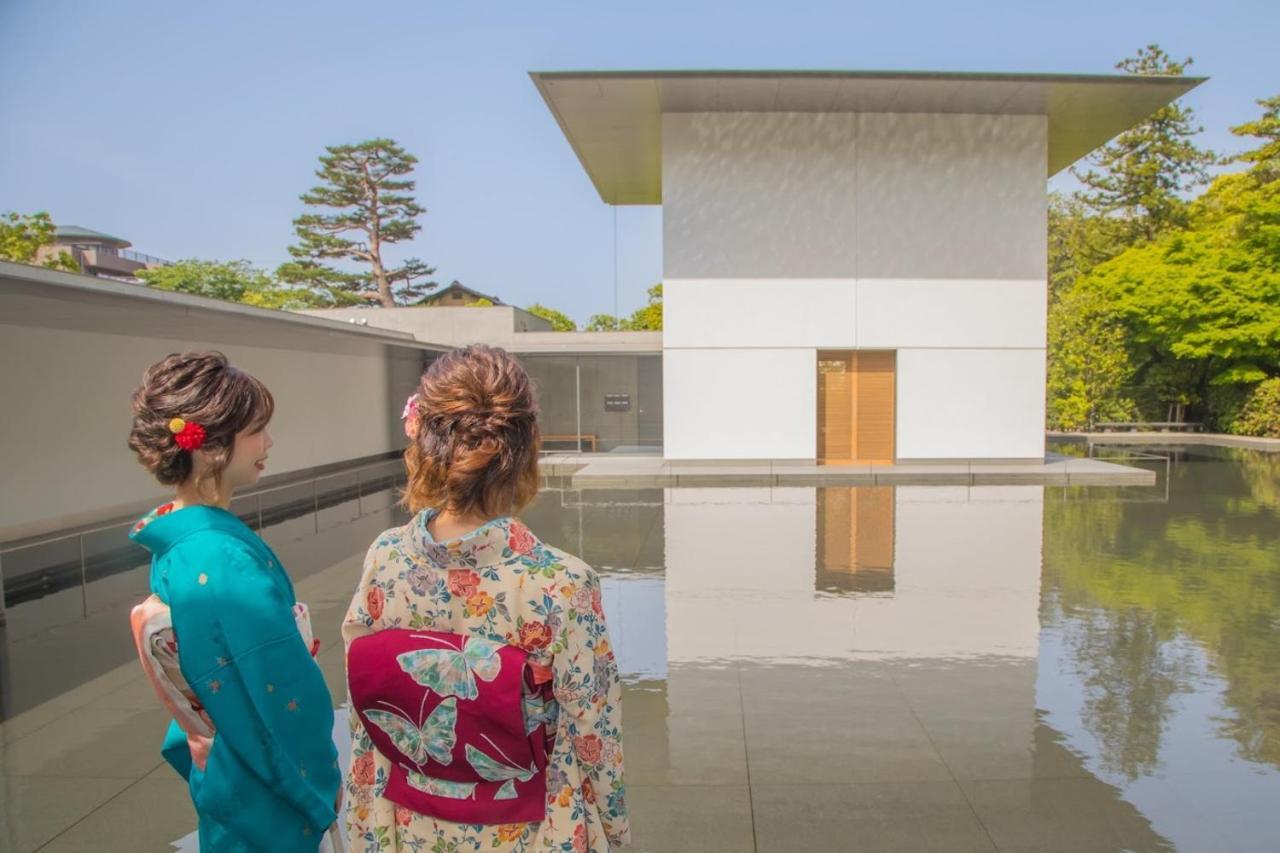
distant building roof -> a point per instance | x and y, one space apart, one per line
458 287
75 232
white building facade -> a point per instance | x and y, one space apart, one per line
854 263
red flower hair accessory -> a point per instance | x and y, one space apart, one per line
187 435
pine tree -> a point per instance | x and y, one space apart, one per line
1142 174
1265 158
365 187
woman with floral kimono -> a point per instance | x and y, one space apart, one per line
485 697
222 636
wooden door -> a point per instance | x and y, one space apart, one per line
856 392
835 406
874 406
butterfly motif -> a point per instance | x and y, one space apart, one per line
435 737
493 770
439 787
450 671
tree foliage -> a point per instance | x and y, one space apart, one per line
1265 159
1202 305
645 319
1260 414
1079 240
23 235
1089 365
232 281
603 323
559 321
368 205
648 318
1141 176
1190 289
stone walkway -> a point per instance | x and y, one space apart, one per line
620 471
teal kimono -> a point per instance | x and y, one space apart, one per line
271 779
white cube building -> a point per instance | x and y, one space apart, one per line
854 263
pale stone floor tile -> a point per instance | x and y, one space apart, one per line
791 749
1060 815
35 809
901 816
687 818
148 815
685 750
92 742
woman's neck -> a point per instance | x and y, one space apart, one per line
189 495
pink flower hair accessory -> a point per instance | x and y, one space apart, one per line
411 416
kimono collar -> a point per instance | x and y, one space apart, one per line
485 546
162 528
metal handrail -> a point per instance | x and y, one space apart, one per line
250 493
1124 451
143 258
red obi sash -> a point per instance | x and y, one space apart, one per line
463 722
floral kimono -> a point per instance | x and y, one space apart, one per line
498 586
270 778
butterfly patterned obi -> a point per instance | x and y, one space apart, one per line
461 719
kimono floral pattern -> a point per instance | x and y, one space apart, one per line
499 584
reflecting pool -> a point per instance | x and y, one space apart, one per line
888 668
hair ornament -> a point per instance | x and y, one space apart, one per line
187 435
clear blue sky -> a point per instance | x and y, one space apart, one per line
191 128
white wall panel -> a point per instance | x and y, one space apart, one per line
894 313
739 403
758 313
970 403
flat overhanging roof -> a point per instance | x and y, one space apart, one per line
613 119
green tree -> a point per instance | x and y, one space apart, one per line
648 318
22 237
1266 157
1260 414
560 321
603 323
1141 176
481 302
1202 305
232 281
365 187
1089 363
1079 240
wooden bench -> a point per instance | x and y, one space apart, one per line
577 440
1148 426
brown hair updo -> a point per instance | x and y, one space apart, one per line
476 450
201 387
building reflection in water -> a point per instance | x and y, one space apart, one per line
855 540
899 626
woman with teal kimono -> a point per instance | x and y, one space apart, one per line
269 777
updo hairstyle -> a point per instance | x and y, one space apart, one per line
201 388
477 441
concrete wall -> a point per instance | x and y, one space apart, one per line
69 368
786 233
447 326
